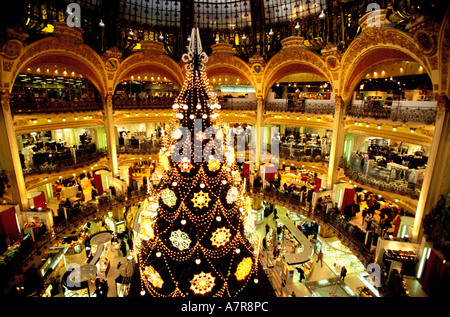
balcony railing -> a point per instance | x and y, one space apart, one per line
23 106
351 235
30 249
306 106
166 104
380 180
63 164
396 111
302 155
144 147
146 104
238 105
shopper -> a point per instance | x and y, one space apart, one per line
343 272
302 274
123 248
320 258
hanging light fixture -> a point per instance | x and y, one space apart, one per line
161 36
297 26
270 32
101 24
322 15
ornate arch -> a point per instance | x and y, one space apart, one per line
148 60
66 48
376 45
222 61
294 58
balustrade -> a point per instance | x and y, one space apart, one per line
22 106
394 111
312 106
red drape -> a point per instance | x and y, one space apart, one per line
397 226
98 183
8 224
436 276
130 176
246 170
317 183
348 199
269 173
39 201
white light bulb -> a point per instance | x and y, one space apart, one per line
198 261
183 222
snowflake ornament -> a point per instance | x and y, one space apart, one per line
180 240
168 197
232 195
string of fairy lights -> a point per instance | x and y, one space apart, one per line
193 228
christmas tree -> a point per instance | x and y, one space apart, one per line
192 238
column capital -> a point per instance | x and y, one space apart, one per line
109 97
4 99
443 103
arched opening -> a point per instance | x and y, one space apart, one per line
398 90
146 87
234 90
60 96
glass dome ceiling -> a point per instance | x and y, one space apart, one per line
219 13
251 26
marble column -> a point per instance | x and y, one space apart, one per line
259 130
110 134
436 181
337 142
10 154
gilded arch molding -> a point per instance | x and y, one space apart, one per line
293 59
221 62
66 48
377 45
146 61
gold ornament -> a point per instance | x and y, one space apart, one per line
214 165
153 276
185 167
201 199
243 268
220 237
202 283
